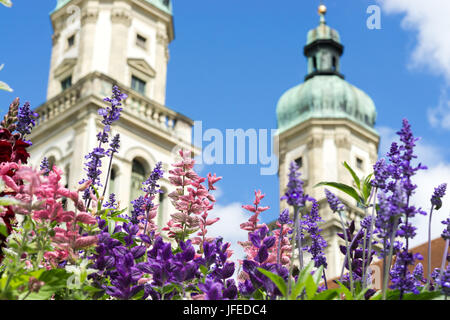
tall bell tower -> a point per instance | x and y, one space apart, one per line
98 44
323 122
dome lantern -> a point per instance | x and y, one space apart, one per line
325 93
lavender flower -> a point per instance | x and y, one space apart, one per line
110 114
284 217
446 233
318 243
439 193
45 166
334 202
114 145
26 119
444 281
294 195
381 174
418 272
111 203
150 185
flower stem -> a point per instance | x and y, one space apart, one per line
108 174
347 254
372 224
429 247
388 267
444 258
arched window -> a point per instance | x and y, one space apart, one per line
334 65
162 207
314 64
51 162
112 181
137 177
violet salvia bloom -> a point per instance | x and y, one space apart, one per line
294 195
418 274
111 113
446 233
318 243
45 166
114 145
381 174
445 281
111 203
116 261
284 217
26 119
166 267
150 185
401 278
334 202
93 165
439 193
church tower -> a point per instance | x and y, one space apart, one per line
323 122
98 44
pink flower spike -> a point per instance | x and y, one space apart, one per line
10 183
84 242
85 218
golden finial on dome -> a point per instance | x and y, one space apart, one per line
322 9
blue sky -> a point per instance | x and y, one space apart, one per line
232 60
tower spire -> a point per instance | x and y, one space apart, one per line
322 11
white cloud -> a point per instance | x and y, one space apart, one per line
426 181
231 216
440 116
427 153
430 20
438 172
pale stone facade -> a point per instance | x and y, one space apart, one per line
97 44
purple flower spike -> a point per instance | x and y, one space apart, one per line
439 193
334 202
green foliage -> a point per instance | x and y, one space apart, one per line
363 187
305 288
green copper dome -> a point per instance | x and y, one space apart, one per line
164 5
325 93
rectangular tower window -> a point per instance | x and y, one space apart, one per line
66 83
70 41
141 41
299 162
359 163
138 85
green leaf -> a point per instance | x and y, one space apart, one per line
367 188
203 269
276 279
310 287
3 230
139 295
299 286
355 177
426 295
343 187
326 295
343 289
317 276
